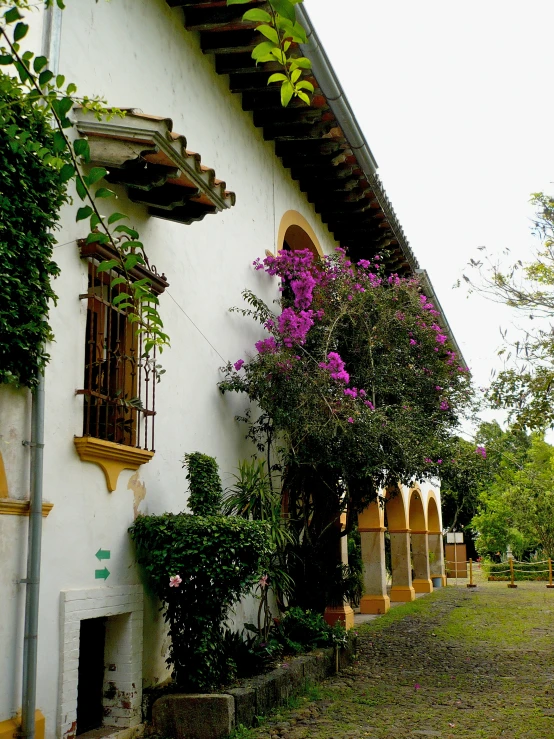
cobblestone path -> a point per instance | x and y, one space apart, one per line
458 663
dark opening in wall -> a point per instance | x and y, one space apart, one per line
90 708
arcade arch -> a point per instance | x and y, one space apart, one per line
436 551
411 519
295 233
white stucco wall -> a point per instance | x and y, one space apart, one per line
136 53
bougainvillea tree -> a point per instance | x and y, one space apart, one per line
355 388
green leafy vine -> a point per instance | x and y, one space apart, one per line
35 94
282 33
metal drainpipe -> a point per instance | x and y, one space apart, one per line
50 49
32 581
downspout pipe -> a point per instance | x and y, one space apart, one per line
50 49
331 88
32 581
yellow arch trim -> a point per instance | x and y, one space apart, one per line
372 517
3 479
397 513
417 516
294 218
432 496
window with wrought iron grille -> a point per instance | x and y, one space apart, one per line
119 388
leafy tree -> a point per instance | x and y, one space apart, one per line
357 389
516 506
461 474
526 386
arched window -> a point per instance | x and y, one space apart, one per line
295 233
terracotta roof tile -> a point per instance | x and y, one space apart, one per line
143 153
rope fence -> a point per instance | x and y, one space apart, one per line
529 568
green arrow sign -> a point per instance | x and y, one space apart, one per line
101 574
103 554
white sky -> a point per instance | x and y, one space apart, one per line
455 100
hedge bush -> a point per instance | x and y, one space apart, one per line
217 559
205 492
531 571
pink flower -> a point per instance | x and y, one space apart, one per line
335 367
413 342
175 581
267 346
238 364
444 405
263 581
417 687
481 451
350 420
294 327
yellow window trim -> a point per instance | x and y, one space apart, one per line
111 457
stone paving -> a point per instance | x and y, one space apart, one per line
458 663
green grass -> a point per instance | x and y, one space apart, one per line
507 622
418 607
466 664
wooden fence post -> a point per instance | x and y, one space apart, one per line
471 583
512 583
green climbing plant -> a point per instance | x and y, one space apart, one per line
35 108
281 34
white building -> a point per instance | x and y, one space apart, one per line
300 175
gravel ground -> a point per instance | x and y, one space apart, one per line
458 663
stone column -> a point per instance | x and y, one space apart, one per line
437 556
420 558
402 590
375 598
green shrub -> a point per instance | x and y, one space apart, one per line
246 655
213 561
297 631
206 495
301 631
522 570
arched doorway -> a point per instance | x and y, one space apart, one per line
397 521
436 551
420 544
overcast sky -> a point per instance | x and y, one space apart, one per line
455 100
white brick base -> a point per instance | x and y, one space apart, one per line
123 654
